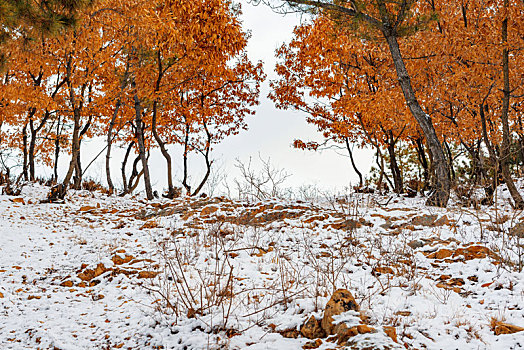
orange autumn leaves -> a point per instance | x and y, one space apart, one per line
184 61
344 78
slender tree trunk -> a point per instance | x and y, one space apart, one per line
170 188
361 180
186 152
134 179
441 185
24 144
32 146
505 149
205 153
421 155
78 164
57 150
75 148
492 154
142 148
109 140
395 171
450 161
124 164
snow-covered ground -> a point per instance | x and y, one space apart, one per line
107 272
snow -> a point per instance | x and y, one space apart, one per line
250 271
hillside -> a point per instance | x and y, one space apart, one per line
211 273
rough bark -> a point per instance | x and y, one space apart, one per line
142 148
57 150
205 153
24 145
492 154
109 141
393 165
124 164
186 152
421 155
505 151
441 184
387 24
75 148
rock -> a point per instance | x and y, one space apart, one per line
403 313
346 225
312 329
476 252
289 333
147 274
430 220
150 224
424 220
312 344
17 200
441 221
391 332
87 208
363 329
517 230
89 274
387 225
341 301
206 211
344 333
118 260
441 254
67 284
417 243
506 328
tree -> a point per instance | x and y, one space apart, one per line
346 87
392 20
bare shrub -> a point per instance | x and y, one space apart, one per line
256 185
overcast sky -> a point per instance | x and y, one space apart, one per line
271 131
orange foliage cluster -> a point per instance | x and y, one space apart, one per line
176 69
344 78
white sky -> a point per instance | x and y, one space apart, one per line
271 131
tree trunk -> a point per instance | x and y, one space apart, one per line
124 163
421 155
441 185
450 161
492 154
75 148
57 151
186 151
170 188
505 149
78 164
395 171
360 178
109 140
24 144
142 147
32 144
205 153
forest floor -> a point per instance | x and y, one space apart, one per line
103 272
